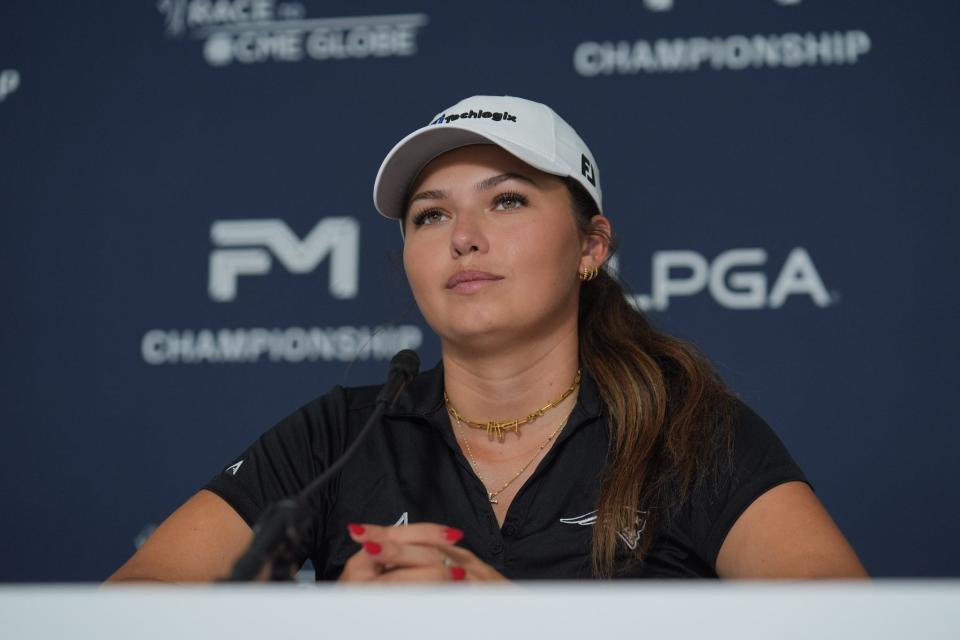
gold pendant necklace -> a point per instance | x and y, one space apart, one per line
499 428
492 495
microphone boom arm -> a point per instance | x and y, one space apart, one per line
278 534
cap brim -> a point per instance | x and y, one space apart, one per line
409 156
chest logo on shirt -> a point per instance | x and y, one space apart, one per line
630 537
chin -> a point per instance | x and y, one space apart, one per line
480 344
466 333
469 332
491 337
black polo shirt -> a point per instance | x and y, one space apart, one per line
413 470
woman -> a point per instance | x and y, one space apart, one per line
561 436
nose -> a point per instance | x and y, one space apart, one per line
468 235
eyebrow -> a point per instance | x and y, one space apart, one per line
483 185
490 183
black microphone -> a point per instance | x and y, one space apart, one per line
404 367
278 534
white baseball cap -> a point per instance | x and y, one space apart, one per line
531 131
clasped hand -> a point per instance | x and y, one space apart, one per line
413 553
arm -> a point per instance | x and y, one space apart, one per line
197 543
201 540
786 533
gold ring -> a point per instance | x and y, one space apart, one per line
447 561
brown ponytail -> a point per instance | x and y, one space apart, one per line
669 413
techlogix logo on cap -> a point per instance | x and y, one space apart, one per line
496 116
530 131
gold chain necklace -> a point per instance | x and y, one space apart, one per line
499 427
492 495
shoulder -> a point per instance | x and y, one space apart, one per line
327 416
757 454
344 409
755 461
744 454
285 457
743 459
771 523
338 402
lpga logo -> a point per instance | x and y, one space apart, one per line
735 279
9 82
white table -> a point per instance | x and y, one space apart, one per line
924 610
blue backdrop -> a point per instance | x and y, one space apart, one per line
190 250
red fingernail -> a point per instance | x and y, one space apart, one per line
356 529
453 535
372 548
458 573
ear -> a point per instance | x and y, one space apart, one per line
595 247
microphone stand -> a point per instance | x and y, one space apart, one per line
278 534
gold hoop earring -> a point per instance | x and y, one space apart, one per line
588 273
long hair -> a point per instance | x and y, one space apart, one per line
669 413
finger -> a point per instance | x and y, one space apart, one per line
393 555
458 555
361 567
475 569
423 574
421 533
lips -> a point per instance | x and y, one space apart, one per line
463 278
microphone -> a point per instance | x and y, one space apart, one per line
404 367
278 534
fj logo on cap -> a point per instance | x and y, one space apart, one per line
496 116
587 169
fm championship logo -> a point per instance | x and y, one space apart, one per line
245 249
259 31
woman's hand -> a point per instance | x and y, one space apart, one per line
413 553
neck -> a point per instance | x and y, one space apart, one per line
511 383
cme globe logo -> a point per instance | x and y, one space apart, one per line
259 31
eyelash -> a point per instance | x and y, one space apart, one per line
510 195
420 218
